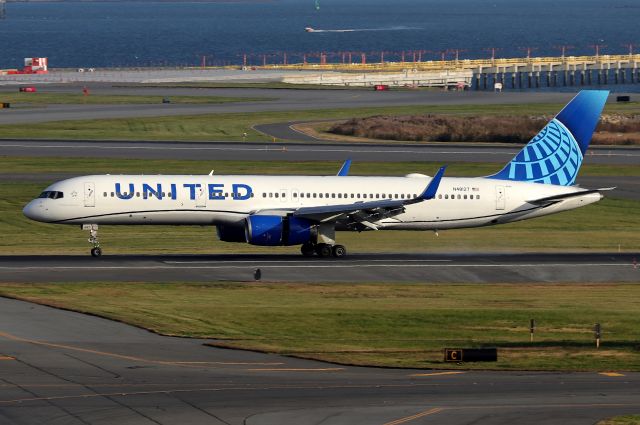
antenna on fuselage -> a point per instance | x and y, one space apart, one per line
211 173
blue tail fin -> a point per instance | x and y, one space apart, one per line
554 155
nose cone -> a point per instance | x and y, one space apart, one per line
35 210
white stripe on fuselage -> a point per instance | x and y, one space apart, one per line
197 199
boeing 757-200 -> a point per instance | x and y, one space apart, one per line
307 210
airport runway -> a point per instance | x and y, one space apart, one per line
387 267
627 186
60 367
239 151
281 100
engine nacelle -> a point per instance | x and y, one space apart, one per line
230 233
274 230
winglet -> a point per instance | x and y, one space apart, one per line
432 187
344 170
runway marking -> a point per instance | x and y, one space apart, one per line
437 373
296 261
612 374
124 356
416 416
327 265
212 389
325 369
294 148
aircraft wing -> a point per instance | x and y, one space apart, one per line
361 215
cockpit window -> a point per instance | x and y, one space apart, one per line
51 194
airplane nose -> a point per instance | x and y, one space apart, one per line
34 210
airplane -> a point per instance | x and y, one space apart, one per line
308 210
309 29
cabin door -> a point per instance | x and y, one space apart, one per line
201 196
500 198
89 194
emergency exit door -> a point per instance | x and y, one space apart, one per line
89 194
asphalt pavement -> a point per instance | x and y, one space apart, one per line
281 100
60 367
386 267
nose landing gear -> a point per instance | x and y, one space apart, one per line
96 251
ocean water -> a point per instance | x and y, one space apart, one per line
102 34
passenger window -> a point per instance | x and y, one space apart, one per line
333 195
477 196
264 195
275 194
112 194
446 196
270 195
314 195
295 195
459 196
320 195
339 195
440 196
104 194
465 196
169 194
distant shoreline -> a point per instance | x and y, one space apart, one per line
140 1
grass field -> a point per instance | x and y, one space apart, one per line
43 99
578 230
232 126
401 325
622 420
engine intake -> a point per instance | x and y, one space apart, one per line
273 230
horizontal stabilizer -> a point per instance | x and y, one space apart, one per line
550 200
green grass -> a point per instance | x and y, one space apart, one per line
577 230
43 99
622 420
402 325
232 126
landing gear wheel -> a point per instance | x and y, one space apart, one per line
96 252
323 250
308 249
339 251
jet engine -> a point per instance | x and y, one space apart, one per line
273 230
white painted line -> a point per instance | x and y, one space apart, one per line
305 266
298 262
505 151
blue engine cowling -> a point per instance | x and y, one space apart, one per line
273 230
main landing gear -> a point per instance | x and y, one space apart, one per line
93 239
323 250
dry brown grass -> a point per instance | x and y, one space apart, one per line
612 130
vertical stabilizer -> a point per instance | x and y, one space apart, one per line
554 155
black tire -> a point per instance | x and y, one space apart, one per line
323 250
96 252
308 249
339 251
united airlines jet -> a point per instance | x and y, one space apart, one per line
307 210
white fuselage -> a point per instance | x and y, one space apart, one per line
220 200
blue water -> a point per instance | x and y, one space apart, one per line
180 33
